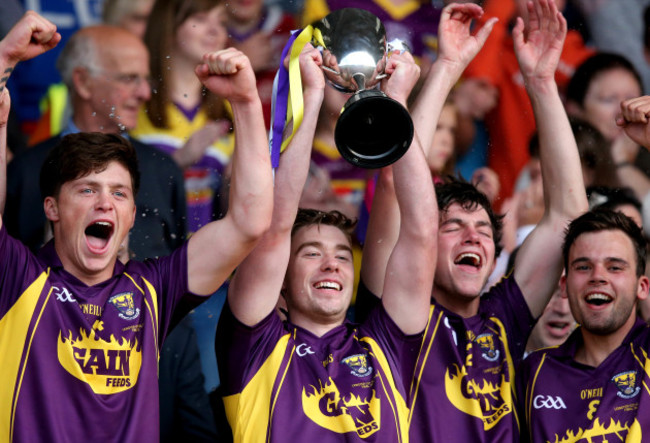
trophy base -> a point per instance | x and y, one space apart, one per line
373 130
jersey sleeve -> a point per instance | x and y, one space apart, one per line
168 276
391 346
18 269
242 350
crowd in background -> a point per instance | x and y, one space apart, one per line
128 67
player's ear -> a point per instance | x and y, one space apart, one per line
51 208
643 286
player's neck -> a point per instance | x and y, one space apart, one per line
596 348
317 327
464 306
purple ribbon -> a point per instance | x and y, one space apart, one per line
281 100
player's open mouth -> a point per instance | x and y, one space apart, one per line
598 299
469 259
98 233
557 325
327 285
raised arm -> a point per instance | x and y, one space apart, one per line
410 268
538 48
216 249
32 35
256 286
457 48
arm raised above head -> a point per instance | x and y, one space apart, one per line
538 48
216 249
32 35
457 48
256 286
411 264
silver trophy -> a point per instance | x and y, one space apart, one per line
373 130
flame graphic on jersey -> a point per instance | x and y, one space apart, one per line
328 409
108 367
600 432
483 400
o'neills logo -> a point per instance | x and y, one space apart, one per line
325 407
108 367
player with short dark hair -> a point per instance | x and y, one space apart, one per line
464 382
594 386
80 332
317 376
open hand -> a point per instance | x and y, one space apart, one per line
457 45
538 47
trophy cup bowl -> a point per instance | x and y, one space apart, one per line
373 130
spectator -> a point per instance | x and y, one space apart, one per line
131 15
183 119
495 72
106 68
260 31
618 26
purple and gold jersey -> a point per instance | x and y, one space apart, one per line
464 384
80 363
282 383
566 401
464 387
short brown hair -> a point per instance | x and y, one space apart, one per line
603 219
77 155
163 23
310 217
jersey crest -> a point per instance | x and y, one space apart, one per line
486 343
626 384
124 304
358 364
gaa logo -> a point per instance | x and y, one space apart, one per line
548 402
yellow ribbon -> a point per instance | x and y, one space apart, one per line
295 104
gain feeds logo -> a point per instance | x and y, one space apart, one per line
107 366
358 364
626 384
124 304
326 407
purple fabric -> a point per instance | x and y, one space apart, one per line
563 398
280 110
336 378
88 356
464 393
